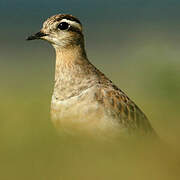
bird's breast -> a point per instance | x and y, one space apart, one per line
82 114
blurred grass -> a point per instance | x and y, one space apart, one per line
30 146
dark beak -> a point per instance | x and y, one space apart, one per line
36 36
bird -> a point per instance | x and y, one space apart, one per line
84 101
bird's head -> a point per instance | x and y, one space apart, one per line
61 30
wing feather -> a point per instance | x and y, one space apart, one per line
120 107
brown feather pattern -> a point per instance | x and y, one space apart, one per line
83 96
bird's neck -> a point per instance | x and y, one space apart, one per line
73 72
67 59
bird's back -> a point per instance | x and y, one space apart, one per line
120 107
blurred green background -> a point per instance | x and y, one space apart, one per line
135 43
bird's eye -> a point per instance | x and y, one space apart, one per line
63 26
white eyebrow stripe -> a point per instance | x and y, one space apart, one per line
73 23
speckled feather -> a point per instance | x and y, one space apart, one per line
84 99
